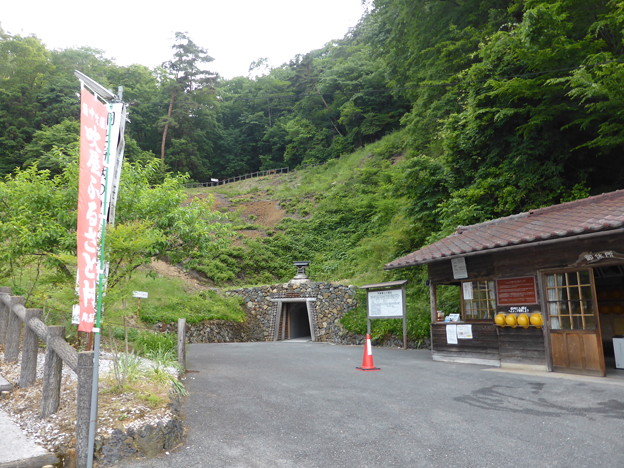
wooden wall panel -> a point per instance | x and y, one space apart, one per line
484 342
592 351
522 345
524 261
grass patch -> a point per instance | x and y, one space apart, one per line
207 305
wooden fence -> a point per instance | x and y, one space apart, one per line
22 326
13 317
282 170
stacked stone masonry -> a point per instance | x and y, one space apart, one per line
330 302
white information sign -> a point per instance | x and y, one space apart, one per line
451 334
464 332
467 286
459 268
385 304
140 294
75 314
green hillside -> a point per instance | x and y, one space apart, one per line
425 116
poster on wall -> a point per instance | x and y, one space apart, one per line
516 291
464 332
451 334
459 268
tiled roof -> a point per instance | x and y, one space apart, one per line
588 215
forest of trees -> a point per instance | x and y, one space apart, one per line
496 92
497 106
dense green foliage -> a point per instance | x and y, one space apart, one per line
207 305
427 115
38 225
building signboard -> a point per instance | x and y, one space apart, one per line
516 291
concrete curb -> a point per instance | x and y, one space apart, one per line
17 450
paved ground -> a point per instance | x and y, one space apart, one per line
17 450
305 405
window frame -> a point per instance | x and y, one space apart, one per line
489 300
585 303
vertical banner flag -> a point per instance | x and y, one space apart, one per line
115 158
93 126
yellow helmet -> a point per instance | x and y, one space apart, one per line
523 320
500 319
511 320
536 320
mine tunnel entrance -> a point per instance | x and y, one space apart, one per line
294 321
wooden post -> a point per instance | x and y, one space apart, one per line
13 331
5 295
28 373
52 374
404 317
433 303
182 343
83 403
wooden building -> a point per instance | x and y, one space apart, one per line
542 288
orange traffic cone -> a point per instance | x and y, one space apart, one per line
367 360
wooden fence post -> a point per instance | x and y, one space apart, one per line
52 374
182 343
83 403
28 373
5 294
13 331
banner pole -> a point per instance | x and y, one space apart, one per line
100 294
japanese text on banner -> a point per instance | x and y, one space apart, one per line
93 124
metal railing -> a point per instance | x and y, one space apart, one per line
251 175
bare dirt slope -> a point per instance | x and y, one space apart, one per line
255 208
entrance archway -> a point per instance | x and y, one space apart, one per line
294 318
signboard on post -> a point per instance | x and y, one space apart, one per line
385 304
102 123
93 127
386 301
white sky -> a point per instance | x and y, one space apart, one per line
235 32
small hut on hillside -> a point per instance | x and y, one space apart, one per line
543 288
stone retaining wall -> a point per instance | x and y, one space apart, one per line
330 302
217 331
146 441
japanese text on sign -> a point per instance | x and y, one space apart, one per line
93 123
516 291
385 304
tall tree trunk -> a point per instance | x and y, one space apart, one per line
330 119
166 127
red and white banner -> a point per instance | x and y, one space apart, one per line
93 126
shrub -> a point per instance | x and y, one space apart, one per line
207 305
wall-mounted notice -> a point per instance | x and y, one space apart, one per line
451 334
459 268
467 290
385 304
464 332
516 291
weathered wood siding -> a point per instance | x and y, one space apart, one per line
483 345
521 345
523 261
492 343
